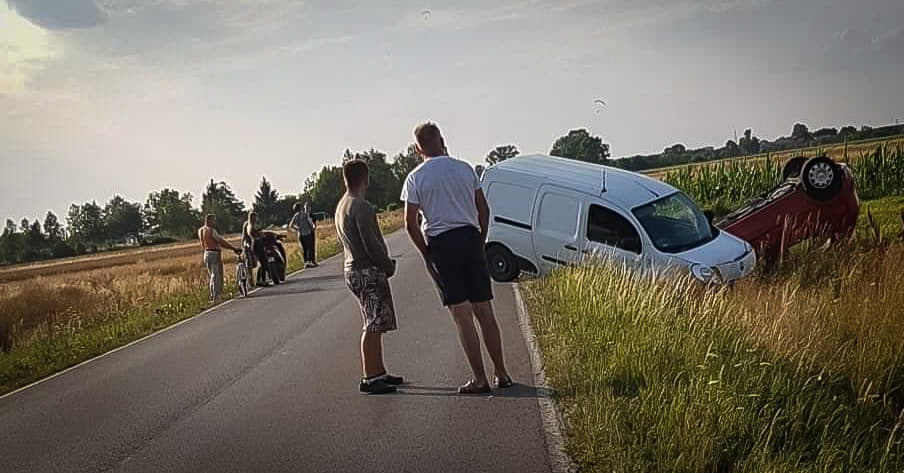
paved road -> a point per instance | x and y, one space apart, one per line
269 384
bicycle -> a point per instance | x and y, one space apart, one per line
242 263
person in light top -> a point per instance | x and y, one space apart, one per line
446 193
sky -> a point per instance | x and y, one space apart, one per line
104 97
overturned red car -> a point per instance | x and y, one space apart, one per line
816 198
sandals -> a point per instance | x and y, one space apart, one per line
503 382
471 387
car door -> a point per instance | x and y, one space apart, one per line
610 234
557 237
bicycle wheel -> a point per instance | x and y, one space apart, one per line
241 278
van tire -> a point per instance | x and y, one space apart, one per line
502 263
821 178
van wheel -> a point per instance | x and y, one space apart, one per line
793 167
502 264
821 178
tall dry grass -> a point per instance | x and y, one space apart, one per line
801 369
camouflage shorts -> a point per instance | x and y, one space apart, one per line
371 287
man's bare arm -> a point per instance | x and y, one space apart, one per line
226 243
372 239
483 213
414 230
216 236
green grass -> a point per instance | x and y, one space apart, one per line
73 344
660 375
887 213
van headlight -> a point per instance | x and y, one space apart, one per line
706 274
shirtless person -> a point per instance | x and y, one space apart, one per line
211 241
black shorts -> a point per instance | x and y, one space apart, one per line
459 266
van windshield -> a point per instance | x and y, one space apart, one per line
675 223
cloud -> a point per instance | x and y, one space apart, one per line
28 50
60 15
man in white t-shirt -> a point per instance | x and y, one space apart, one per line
455 217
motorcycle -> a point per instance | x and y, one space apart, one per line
275 252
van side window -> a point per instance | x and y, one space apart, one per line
609 228
559 215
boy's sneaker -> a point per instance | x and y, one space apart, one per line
377 386
393 380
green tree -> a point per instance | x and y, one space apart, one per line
384 187
266 204
324 189
501 153
748 143
52 227
86 224
34 244
580 145
10 243
123 219
479 169
218 199
284 208
404 163
34 236
167 212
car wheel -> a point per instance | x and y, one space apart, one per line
821 178
502 263
793 167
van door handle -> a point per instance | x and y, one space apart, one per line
571 247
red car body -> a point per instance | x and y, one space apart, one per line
797 209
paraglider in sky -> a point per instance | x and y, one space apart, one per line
601 103
426 14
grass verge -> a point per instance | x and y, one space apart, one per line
799 370
48 324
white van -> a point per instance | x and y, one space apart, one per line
546 212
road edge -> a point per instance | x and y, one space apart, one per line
550 416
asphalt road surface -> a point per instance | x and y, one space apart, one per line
270 384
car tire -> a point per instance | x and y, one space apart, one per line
793 167
821 178
502 263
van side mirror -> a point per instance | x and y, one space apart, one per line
709 216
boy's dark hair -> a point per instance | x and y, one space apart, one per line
297 207
355 172
426 133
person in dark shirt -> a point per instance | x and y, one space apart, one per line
368 268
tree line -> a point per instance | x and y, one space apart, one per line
169 215
748 144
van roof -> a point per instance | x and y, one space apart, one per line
626 188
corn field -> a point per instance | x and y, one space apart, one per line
728 185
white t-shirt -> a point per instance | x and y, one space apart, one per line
444 188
